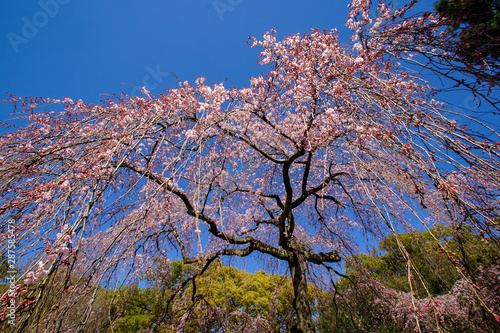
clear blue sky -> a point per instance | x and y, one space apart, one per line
86 48
82 49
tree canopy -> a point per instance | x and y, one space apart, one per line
478 25
458 43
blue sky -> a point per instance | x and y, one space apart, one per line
82 49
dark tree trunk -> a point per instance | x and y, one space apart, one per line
305 323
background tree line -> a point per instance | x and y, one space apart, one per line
374 295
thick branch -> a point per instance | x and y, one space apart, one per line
320 258
212 226
287 209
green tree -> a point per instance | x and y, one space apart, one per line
132 309
223 298
227 298
477 25
437 259
424 266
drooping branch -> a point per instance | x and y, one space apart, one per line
254 146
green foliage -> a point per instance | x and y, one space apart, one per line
263 295
436 259
133 323
361 308
4 267
379 280
228 286
478 26
132 307
221 292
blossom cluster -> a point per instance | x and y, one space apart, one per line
62 246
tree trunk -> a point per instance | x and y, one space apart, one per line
305 323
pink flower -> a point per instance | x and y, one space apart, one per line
51 257
40 272
358 47
30 278
190 134
62 249
65 185
359 60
